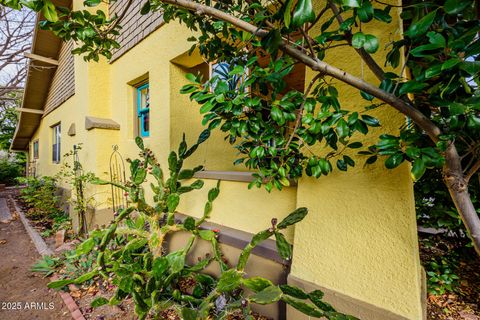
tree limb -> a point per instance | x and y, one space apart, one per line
419 118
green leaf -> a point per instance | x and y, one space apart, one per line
139 142
351 3
85 247
412 86
204 135
159 267
394 160
381 15
316 297
277 115
85 277
185 174
355 145
59 283
365 12
456 6
371 43
303 13
450 63
268 295
91 3
229 280
135 244
206 234
342 128
173 201
49 11
287 15
213 194
198 184
259 237
145 8
366 96
293 291
371 121
371 159
284 248
189 223
292 218
303 307
421 26
191 77
257 284
176 260
172 161
98 302
206 107
472 67
418 169
139 176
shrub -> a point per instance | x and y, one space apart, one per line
39 195
131 252
9 171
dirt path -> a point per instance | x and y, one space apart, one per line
24 294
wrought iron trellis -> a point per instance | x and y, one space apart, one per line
32 169
79 189
117 175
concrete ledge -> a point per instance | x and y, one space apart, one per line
239 239
100 123
342 303
37 240
239 176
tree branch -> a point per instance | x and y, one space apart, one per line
300 111
419 118
473 169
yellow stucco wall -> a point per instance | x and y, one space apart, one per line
360 236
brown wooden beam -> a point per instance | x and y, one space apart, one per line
27 110
41 58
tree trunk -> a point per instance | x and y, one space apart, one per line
458 188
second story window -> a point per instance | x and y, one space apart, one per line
143 110
35 149
223 72
56 142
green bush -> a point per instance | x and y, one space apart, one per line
39 194
10 171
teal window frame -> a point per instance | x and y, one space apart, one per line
143 111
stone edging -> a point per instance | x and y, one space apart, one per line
44 250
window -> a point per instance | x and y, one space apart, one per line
56 134
222 70
143 110
35 149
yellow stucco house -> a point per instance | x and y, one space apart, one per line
362 252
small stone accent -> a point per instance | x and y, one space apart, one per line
59 238
71 130
100 123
